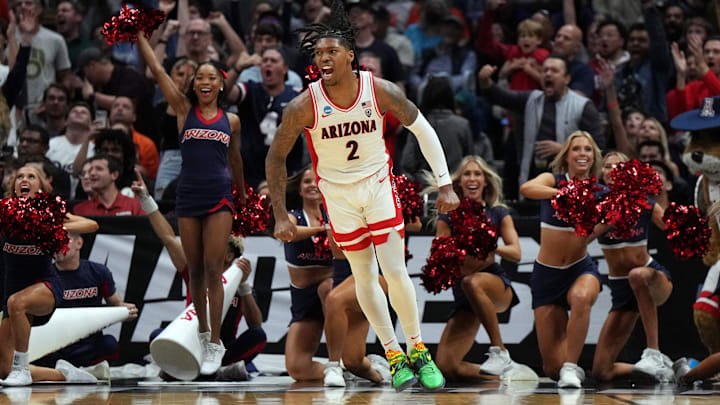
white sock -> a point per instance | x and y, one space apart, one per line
391 256
371 297
21 359
332 364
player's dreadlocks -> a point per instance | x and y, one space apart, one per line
339 27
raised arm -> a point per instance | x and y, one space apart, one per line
391 98
297 115
173 95
606 81
657 216
159 224
78 224
234 156
541 187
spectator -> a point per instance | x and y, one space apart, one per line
426 33
362 19
69 16
672 190
568 43
51 114
446 59
49 57
63 149
521 62
654 150
86 284
400 43
33 140
688 96
612 35
10 165
182 74
452 130
260 109
642 80
108 201
123 111
268 35
547 118
697 26
85 184
674 22
105 83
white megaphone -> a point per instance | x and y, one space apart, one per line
68 325
177 349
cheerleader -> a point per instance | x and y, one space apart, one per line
484 289
564 276
638 285
31 290
210 149
310 278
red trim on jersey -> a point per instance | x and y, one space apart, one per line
221 204
212 120
347 237
358 246
377 105
357 98
313 156
314 106
250 353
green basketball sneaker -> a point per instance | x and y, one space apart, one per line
402 375
430 376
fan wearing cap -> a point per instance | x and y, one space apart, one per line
702 155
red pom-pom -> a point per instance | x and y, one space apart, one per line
37 220
252 216
312 73
633 181
321 244
687 231
408 255
124 27
472 229
575 204
409 194
442 269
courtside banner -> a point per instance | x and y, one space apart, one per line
144 275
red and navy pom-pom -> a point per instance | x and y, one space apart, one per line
409 194
442 269
253 215
37 220
687 231
408 255
124 27
633 182
472 229
575 204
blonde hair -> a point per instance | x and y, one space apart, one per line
559 165
623 157
531 27
663 138
44 183
492 194
237 242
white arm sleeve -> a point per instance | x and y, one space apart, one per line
431 148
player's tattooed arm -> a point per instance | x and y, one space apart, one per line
297 116
391 98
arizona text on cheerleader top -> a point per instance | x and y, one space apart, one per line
346 144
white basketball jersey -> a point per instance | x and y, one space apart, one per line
346 144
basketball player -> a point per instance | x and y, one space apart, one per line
342 116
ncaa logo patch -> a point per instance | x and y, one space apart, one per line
368 113
327 110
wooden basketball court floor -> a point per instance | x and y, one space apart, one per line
282 390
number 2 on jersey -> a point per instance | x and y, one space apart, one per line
353 146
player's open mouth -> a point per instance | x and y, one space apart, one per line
327 72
